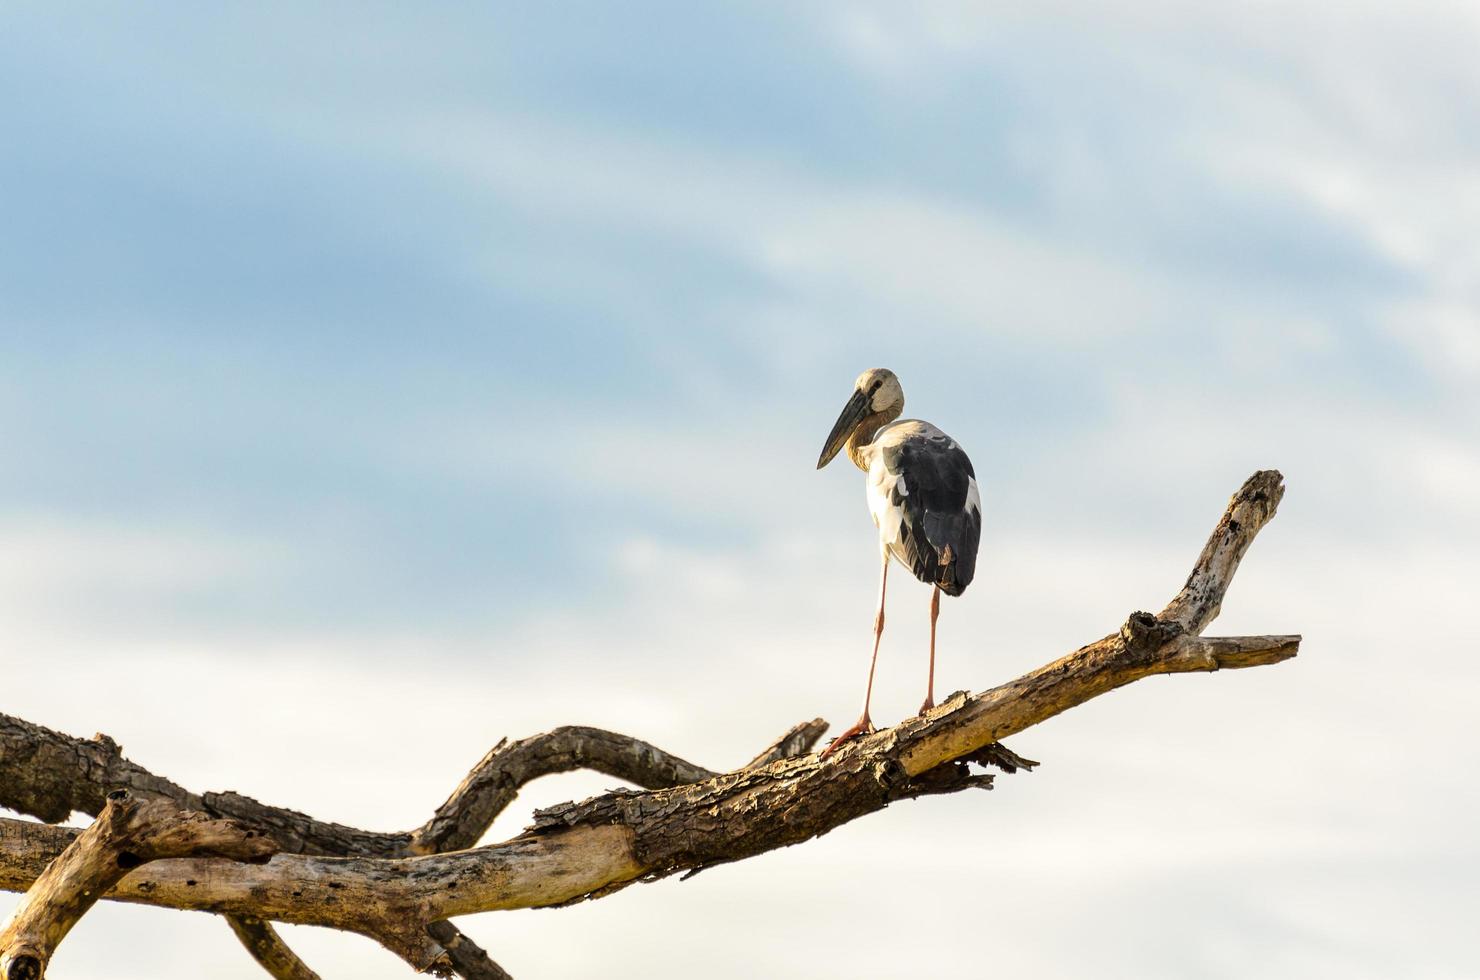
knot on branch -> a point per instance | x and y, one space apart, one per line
23 966
1144 632
889 774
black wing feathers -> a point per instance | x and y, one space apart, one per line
939 535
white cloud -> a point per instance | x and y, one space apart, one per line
1444 331
1312 806
1449 471
1168 790
1349 110
889 253
944 269
47 550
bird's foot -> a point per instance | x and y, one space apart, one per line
929 703
864 727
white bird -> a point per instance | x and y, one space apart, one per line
923 496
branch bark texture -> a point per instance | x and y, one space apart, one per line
127 834
684 819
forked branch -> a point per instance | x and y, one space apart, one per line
128 833
687 818
48 774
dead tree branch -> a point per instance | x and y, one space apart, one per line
495 780
127 834
798 740
268 949
48 774
392 886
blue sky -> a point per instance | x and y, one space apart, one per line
497 343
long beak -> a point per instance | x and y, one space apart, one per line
854 412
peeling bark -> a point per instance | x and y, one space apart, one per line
400 888
47 771
129 833
493 783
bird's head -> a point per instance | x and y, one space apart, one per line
876 396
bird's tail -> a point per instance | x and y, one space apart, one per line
956 570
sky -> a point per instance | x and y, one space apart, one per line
378 381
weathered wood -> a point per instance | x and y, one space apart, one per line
268 948
494 782
128 833
752 812
590 849
50 775
797 740
584 850
48 772
1198 604
467 958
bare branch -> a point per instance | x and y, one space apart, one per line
49 775
48 772
589 849
268 948
495 781
1201 599
585 850
1234 652
127 834
467 957
797 740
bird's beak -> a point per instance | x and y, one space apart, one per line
854 412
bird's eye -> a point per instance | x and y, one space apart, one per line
875 386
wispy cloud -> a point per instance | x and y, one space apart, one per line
492 350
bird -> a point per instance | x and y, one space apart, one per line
923 497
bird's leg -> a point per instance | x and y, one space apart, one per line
930 684
865 725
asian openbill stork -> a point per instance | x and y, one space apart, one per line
923 497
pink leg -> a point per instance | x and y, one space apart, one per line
864 724
930 684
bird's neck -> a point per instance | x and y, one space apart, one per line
858 442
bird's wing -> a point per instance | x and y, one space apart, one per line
926 502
